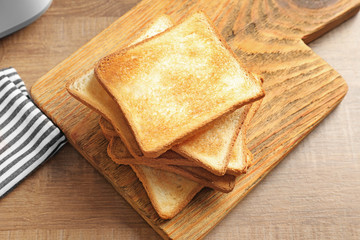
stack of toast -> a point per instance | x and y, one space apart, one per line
175 106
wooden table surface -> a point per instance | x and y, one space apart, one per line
313 193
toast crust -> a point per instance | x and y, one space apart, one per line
116 148
107 129
238 163
242 157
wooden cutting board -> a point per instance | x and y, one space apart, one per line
301 89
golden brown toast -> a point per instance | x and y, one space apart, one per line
173 84
169 193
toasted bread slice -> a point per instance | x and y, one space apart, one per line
173 84
169 193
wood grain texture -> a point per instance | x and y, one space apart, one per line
292 77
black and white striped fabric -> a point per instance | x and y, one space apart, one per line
27 136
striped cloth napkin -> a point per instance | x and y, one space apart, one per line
27 136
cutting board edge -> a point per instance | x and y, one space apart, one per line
320 31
